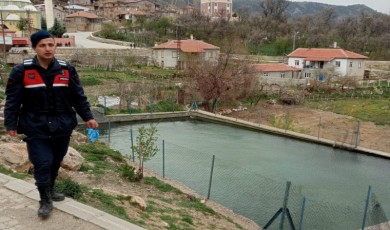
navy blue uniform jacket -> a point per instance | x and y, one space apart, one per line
43 103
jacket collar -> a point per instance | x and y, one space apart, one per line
54 65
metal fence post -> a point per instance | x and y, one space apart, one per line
319 128
163 159
366 207
132 146
259 117
151 104
109 132
302 213
286 122
357 134
105 105
211 177
284 208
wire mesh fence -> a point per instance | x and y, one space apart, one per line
267 200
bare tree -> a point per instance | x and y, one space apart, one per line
274 9
225 80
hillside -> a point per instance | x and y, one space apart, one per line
299 9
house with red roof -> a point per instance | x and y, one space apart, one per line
320 63
83 21
177 53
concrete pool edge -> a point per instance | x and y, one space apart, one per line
203 115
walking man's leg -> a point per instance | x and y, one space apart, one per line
60 148
41 156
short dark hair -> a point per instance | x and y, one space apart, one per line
37 36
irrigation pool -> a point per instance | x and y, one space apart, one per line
251 170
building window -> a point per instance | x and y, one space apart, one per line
174 54
360 65
350 64
307 75
265 74
338 63
282 75
296 62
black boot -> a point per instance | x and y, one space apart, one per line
46 204
56 196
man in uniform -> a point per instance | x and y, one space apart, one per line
43 96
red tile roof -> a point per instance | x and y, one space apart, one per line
82 14
279 67
187 46
320 54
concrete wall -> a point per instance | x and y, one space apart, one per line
211 117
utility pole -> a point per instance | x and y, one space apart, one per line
2 31
295 35
178 47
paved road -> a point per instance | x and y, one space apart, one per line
19 204
83 41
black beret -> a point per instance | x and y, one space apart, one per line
37 36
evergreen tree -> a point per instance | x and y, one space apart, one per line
57 30
43 23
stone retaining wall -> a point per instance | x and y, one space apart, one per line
86 56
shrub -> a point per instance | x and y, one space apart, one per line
99 151
69 188
90 81
128 172
163 187
166 106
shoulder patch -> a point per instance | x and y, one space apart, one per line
27 62
62 63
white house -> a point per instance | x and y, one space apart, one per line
177 53
278 73
319 62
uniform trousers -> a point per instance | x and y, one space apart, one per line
46 154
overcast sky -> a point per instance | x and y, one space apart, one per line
378 5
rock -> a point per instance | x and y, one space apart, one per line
79 137
139 202
165 224
72 160
63 174
14 156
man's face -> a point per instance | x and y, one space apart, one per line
45 48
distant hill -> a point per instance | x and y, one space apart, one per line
298 9
295 9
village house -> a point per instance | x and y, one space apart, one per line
177 53
279 73
131 15
59 12
321 63
82 21
111 9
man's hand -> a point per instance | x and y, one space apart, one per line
12 133
92 124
